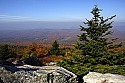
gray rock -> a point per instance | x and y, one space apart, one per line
36 74
51 64
94 77
18 63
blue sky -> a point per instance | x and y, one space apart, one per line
58 10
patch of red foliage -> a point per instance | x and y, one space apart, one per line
117 49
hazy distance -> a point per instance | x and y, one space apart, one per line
50 25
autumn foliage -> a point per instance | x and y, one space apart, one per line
48 59
35 50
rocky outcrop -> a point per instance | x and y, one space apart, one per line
93 77
10 73
35 74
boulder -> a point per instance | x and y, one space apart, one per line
32 61
36 74
94 77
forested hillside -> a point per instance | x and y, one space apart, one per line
66 37
44 36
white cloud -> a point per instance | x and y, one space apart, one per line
7 18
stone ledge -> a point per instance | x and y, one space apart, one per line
36 74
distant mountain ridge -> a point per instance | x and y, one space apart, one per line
64 36
48 36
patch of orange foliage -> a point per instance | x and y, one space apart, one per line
48 59
35 49
115 50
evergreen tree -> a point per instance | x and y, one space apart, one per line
93 39
6 52
95 48
55 48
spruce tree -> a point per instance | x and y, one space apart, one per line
94 40
55 48
95 48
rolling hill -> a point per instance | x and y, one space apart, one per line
64 37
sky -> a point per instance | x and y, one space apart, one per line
58 10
